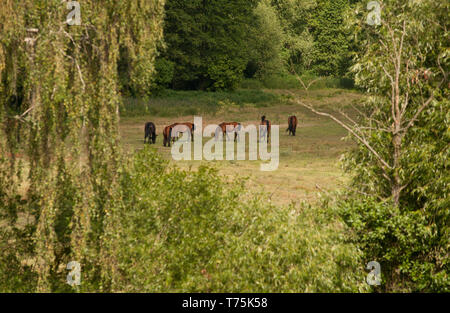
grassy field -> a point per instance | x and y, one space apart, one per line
309 162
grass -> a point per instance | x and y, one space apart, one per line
288 81
182 103
308 162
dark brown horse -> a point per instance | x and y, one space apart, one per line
292 122
228 127
150 132
264 131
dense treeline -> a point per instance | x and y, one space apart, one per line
212 45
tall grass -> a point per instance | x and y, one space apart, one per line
181 103
175 103
288 81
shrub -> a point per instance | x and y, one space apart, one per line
225 74
164 75
185 231
408 247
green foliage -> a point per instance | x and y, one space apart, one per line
186 231
410 247
207 42
266 42
331 56
59 158
164 75
180 103
212 44
289 81
225 73
138 49
298 42
405 223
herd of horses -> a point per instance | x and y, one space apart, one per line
171 132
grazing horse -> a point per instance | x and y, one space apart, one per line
264 131
150 133
167 133
292 122
228 127
185 127
172 132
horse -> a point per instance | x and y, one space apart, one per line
150 133
167 134
292 122
172 132
185 127
264 131
228 127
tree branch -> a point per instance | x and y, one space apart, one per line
384 165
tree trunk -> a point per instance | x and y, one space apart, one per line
396 183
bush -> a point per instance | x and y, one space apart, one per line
225 74
187 231
164 75
404 242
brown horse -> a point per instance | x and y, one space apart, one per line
182 127
167 133
171 132
264 131
227 127
292 122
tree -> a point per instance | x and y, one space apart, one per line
206 40
331 45
400 165
266 42
298 43
60 159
